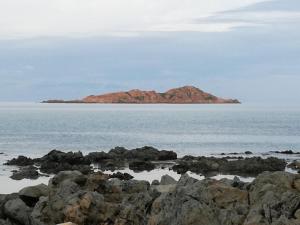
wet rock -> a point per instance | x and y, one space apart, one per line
20 161
31 195
121 176
248 153
248 166
141 166
167 180
27 172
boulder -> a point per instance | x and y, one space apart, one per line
167 180
31 195
18 211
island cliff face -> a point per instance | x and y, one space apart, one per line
182 95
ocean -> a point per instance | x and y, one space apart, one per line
33 129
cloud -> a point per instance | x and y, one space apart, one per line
35 18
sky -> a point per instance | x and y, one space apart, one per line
68 49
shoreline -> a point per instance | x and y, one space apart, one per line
144 164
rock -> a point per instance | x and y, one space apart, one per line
68 223
248 166
167 155
287 152
56 161
121 176
31 195
145 153
248 153
141 166
20 161
95 157
155 182
297 214
295 165
73 176
27 172
167 180
3 200
18 211
272 198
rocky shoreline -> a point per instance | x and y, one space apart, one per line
81 194
142 159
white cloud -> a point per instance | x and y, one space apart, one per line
32 18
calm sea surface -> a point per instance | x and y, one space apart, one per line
34 129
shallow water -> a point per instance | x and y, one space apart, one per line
34 129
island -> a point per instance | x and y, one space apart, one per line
181 95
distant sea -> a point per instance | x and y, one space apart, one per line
33 129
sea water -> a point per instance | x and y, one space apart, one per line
33 129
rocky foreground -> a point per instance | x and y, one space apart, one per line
182 95
79 195
273 198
